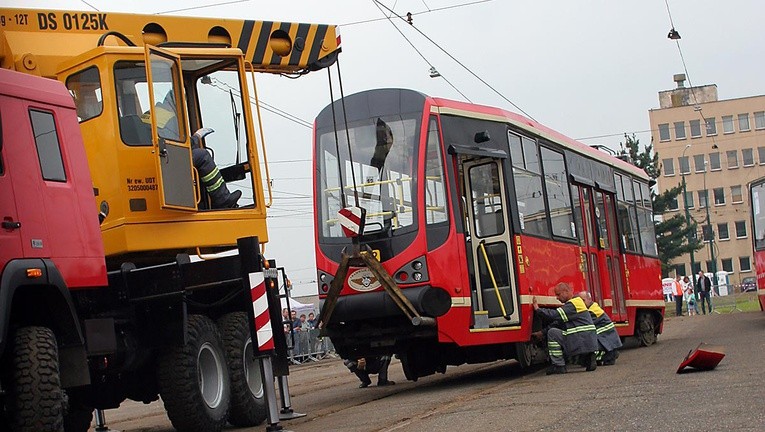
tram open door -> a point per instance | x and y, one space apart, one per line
494 288
601 256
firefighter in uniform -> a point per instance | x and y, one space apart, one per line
571 332
608 339
167 127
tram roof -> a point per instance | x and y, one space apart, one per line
447 106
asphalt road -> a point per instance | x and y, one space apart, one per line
641 392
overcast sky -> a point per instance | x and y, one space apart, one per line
587 68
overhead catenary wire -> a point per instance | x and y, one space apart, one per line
366 21
418 51
470 71
204 6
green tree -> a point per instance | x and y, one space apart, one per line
674 236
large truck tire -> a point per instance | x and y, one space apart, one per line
248 402
194 381
35 401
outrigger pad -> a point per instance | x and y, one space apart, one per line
704 357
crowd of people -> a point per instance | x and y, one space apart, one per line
697 297
303 340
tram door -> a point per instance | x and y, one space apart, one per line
490 245
590 252
611 256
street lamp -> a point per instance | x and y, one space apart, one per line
687 212
709 228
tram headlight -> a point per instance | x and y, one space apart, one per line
417 265
323 277
417 276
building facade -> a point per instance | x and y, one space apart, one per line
717 147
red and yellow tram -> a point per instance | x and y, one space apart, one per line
472 211
757 198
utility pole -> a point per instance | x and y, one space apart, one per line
711 231
687 213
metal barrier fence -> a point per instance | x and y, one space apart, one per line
306 345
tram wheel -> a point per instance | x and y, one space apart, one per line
524 353
646 329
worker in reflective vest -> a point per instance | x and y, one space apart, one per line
608 339
571 330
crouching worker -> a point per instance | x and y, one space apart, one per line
608 339
571 332
366 366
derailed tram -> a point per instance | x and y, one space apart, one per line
470 211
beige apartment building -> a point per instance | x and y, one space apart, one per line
718 146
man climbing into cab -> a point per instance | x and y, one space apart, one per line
167 128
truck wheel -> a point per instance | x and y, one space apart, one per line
35 401
193 379
248 403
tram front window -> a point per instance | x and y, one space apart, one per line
382 162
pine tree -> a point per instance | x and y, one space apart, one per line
674 237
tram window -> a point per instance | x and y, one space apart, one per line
516 150
628 225
619 187
531 156
558 193
647 236
577 214
758 213
488 208
628 195
531 205
435 187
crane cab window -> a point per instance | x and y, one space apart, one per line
85 88
133 103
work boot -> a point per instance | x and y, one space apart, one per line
591 362
231 201
385 383
365 384
555 370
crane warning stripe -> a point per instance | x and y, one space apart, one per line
265 334
351 221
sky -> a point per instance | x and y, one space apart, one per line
590 69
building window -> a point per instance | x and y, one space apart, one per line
728 124
702 198
714 161
698 160
761 154
719 194
680 130
680 269
759 120
685 166
727 265
48 146
743 122
669 167
710 266
722 231
740 229
747 155
673 204
664 132
736 196
706 233
744 264
689 200
732 158
711 126
695 128
696 267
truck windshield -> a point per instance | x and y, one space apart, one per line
383 163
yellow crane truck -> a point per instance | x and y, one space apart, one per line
112 286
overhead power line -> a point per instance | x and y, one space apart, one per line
420 12
458 62
202 6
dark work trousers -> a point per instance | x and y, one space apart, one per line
678 305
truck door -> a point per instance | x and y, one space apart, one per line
169 131
10 235
491 243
